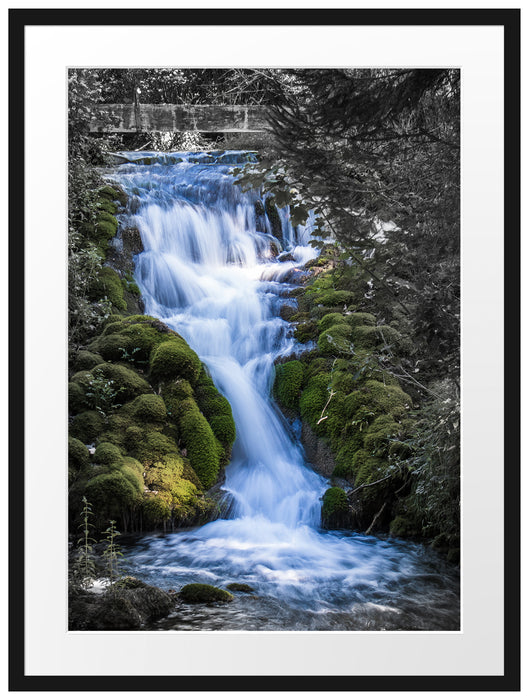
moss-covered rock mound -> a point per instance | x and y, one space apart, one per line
158 430
204 593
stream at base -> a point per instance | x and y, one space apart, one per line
217 267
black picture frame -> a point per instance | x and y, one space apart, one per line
509 19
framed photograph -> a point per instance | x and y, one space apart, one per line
260 262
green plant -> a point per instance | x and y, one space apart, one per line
112 552
84 567
102 394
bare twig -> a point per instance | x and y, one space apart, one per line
377 516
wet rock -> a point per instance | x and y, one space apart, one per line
287 311
318 453
204 593
120 608
240 587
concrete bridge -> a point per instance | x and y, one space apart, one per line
226 119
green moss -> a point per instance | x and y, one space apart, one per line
155 511
367 468
401 526
149 408
359 318
150 446
164 474
200 443
345 455
133 464
240 587
189 474
78 455
83 379
127 383
174 359
113 347
85 360
318 365
335 340
105 228
212 403
107 205
114 193
306 331
203 593
132 476
335 504
329 320
110 494
287 384
108 284
313 399
113 328
86 426
335 297
388 398
108 454
379 434
223 428
369 337
143 338
174 393
343 381
117 427
76 398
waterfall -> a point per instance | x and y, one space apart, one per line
212 270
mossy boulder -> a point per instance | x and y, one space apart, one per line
368 468
204 593
313 400
223 428
380 433
288 382
360 318
306 331
78 455
370 337
108 284
139 337
110 494
127 383
76 398
156 511
113 193
401 526
85 360
112 347
149 446
108 206
174 359
335 297
240 587
335 340
86 426
148 408
200 443
332 319
108 454
345 455
335 507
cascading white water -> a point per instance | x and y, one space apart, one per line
211 270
